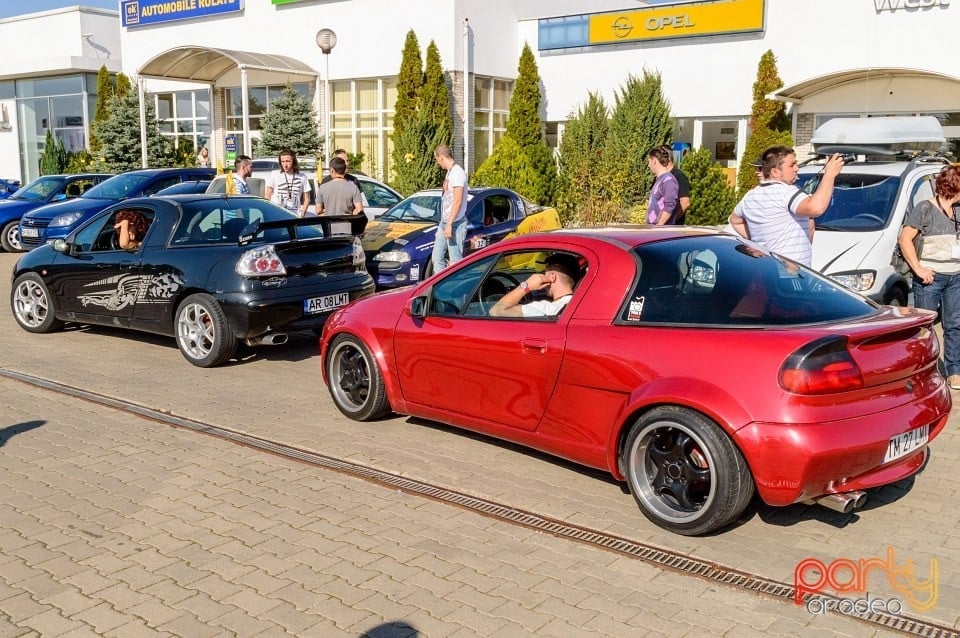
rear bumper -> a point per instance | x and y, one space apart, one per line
254 314
795 462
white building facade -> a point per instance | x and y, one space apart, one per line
212 66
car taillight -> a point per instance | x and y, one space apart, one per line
260 262
821 367
359 257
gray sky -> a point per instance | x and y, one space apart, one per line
10 8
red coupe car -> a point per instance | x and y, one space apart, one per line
689 363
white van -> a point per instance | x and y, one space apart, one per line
896 165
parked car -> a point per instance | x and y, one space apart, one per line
212 271
43 190
377 196
192 187
688 363
52 221
399 243
856 238
8 187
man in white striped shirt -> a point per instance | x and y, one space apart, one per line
779 216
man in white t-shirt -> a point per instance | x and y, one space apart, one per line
452 231
557 281
779 216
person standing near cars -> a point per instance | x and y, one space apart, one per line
339 196
452 231
345 156
665 193
203 158
288 187
683 188
242 169
779 216
936 270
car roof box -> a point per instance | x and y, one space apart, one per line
878 135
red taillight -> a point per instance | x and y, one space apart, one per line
822 367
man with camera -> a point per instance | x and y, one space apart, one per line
779 216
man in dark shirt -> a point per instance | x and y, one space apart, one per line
683 200
342 154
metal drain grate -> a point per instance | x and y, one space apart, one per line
656 556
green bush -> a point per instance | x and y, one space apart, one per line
712 198
54 159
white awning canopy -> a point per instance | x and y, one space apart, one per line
801 90
205 64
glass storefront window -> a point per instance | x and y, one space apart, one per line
489 124
179 120
260 98
361 120
164 106
40 87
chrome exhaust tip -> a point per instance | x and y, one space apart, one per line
844 503
269 339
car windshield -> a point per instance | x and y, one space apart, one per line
38 190
220 220
860 201
416 208
720 280
117 187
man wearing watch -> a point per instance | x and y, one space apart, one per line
557 281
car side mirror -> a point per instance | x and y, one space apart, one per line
60 197
418 307
61 245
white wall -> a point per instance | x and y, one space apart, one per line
9 143
713 77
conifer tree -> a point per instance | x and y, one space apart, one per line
54 159
120 137
769 122
712 198
529 167
290 123
104 92
122 86
414 165
582 196
409 82
640 120
434 102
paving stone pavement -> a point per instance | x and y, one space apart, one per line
277 393
114 525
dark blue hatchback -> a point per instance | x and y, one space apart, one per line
52 221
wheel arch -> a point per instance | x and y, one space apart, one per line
709 401
379 353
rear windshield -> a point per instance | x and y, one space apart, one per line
860 201
724 281
220 220
117 187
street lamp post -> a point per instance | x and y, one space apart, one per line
326 40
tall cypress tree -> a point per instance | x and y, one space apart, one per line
640 120
581 191
434 103
54 159
529 166
769 122
409 82
104 92
290 123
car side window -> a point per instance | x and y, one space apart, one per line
162 183
451 294
496 210
377 195
509 271
922 189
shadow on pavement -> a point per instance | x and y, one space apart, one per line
12 430
395 629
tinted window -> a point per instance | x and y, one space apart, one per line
723 281
220 221
38 190
118 187
377 195
424 208
860 201
450 295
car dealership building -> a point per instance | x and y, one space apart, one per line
211 67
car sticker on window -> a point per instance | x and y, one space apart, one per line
127 290
636 309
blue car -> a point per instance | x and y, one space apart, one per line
46 189
399 243
8 187
53 221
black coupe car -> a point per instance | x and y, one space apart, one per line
211 271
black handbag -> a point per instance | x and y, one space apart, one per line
898 262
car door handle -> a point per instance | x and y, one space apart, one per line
538 345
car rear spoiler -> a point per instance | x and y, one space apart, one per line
332 225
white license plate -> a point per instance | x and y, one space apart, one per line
341 228
325 303
905 443
29 232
